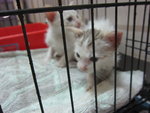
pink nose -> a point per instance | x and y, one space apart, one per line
83 68
78 25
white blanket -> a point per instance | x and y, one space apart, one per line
18 95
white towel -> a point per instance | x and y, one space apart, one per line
18 94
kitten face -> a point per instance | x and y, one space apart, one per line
70 17
104 47
84 51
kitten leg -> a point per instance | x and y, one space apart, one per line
50 54
90 82
56 56
61 61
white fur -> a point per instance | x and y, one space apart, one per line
105 63
54 37
102 24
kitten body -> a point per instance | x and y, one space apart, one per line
104 50
54 39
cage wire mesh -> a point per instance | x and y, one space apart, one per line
132 17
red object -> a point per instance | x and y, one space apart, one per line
11 38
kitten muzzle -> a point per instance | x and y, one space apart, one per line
83 65
83 68
78 25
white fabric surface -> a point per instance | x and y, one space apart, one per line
18 95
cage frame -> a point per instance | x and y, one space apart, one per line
20 12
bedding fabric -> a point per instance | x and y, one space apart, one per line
18 94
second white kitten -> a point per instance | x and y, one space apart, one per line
54 39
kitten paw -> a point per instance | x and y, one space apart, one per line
60 64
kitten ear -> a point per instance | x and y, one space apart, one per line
78 32
110 38
50 16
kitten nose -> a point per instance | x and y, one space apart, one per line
83 68
78 25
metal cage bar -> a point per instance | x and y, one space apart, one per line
138 41
136 48
128 110
146 49
142 34
86 6
61 8
132 54
115 71
127 34
66 56
94 64
29 56
1 111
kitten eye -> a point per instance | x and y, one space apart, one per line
78 55
93 59
70 19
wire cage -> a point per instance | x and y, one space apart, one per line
132 17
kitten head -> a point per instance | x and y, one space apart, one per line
70 17
104 47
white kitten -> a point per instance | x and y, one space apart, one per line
54 38
104 50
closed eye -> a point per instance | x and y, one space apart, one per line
93 59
